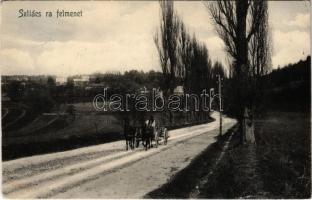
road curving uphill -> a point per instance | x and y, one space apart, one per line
107 170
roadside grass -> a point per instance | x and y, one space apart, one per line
284 153
237 175
279 166
186 180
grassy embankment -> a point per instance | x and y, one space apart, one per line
277 167
49 134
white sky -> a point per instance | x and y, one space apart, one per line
118 36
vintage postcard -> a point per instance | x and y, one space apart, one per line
155 99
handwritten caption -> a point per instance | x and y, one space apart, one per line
59 13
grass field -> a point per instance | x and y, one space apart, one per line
51 133
35 126
12 116
277 167
284 154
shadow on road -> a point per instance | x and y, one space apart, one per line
184 182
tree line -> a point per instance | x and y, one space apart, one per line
289 88
243 27
184 60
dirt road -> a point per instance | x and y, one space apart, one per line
107 170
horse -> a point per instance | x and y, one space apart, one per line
147 135
129 133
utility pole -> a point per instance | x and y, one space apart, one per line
220 104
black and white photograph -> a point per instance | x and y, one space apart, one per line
156 99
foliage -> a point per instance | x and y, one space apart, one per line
166 41
184 60
299 71
15 90
243 27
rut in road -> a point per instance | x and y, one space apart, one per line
45 184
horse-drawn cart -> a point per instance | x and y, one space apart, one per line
148 136
161 135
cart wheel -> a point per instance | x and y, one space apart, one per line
156 140
145 145
137 143
165 137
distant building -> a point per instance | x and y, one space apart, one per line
95 86
153 91
60 80
143 90
178 90
85 77
82 81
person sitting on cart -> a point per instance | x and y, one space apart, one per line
151 124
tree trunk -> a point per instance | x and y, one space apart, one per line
241 69
248 127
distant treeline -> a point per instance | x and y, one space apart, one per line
300 71
289 88
130 81
285 86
